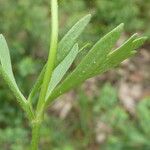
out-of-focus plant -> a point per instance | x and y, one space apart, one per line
127 132
52 81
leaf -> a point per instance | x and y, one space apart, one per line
117 56
5 59
58 73
139 42
70 38
7 74
125 51
91 62
62 68
64 47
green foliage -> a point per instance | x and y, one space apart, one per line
107 14
31 20
143 115
6 72
62 68
104 101
127 13
70 38
98 60
127 132
133 13
26 67
92 61
64 47
11 138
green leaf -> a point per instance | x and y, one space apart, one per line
7 74
91 62
64 47
125 51
139 42
62 68
5 59
117 56
70 38
58 73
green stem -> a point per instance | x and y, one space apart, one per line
35 135
47 77
51 57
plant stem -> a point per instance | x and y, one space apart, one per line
47 77
51 57
35 136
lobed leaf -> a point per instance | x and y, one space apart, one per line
91 62
110 59
117 56
125 51
139 42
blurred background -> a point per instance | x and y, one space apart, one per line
108 112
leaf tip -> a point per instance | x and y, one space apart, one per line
1 36
144 38
139 42
87 18
121 26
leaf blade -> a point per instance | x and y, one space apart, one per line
7 74
125 51
5 58
62 68
71 37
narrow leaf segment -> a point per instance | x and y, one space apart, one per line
7 74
